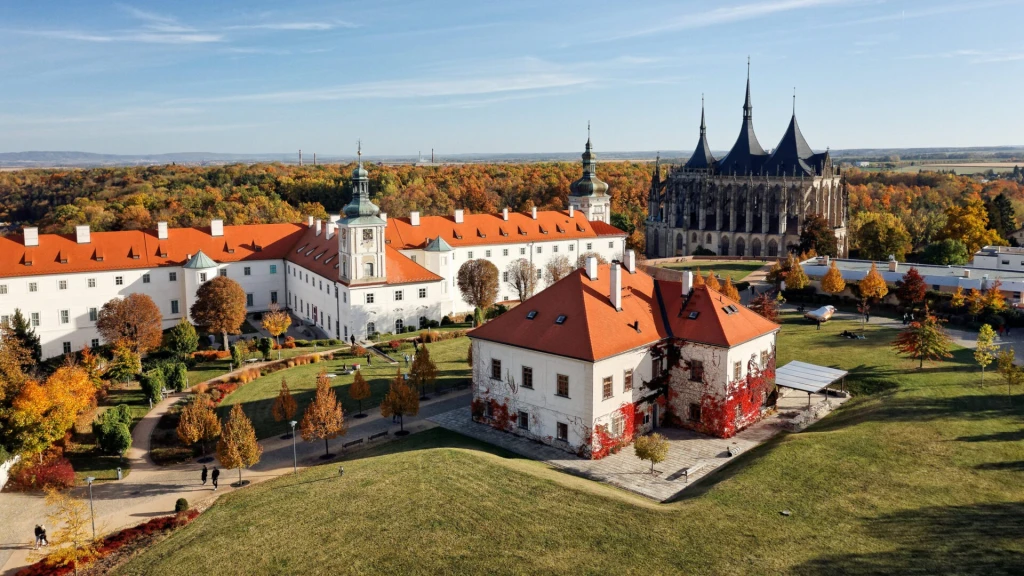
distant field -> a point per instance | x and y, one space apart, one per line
965 168
735 269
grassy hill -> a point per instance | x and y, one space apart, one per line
921 474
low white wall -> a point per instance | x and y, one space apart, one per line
5 470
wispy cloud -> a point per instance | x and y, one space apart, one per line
722 15
153 37
973 56
904 15
305 26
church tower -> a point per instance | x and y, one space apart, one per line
589 194
361 234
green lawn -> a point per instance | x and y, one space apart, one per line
257 397
204 371
922 476
83 454
735 269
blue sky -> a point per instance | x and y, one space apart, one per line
517 76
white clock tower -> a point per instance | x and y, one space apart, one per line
361 234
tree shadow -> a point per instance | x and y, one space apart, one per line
995 437
901 408
1017 466
974 539
734 466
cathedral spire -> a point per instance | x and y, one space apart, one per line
589 184
701 159
703 126
748 108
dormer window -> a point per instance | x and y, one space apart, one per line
328 261
560 319
301 248
693 315
310 251
531 314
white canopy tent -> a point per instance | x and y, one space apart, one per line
809 378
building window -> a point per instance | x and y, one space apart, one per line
223 272
273 268
202 276
95 343
118 280
145 278
93 315
413 257
589 246
470 254
423 292
618 425
696 371
504 276
399 326
371 328
487 253
504 251
273 296
540 249
538 273
627 380
3 288
33 287
495 369
522 251
572 247
527 377
764 359
369 297
555 248
247 271
248 300
62 285
67 347
368 269
562 385
611 244
65 316
524 421
35 319
695 412
399 295
562 431
737 370
174 306
606 388
172 276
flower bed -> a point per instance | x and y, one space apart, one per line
53 472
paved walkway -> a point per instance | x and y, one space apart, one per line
152 490
697 454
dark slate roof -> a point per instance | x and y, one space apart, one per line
200 262
701 159
746 156
793 156
589 184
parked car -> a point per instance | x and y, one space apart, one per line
823 314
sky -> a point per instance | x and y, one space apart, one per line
255 76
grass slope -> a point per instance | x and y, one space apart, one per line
735 269
923 476
257 397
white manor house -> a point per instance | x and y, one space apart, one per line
354 274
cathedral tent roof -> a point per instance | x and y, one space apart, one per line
793 156
746 155
701 159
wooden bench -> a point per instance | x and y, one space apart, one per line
377 435
352 443
693 470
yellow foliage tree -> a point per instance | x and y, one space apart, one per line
796 278
284 407
969 224
975 301
198 422
832 282
276 321
238 447
729 290
323 419
994 298
959 299
42 413
712 282
359 390
71 543
873 285
401 401
698 280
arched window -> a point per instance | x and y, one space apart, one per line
723 249
693 237
707 240
679 241
755 247
773 248
368 269
370 329
399 326
741 247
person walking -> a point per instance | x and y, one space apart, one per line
352 338
43 541
202 475
819 324
215 476
904 318
39 536
368 362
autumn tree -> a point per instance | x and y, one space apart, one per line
975 302
730 290
125 363
478 282
994 299
556 268
323 419
910 290
924 338
1012 374
871 287
766 306
401 401
359 390
423 370
183 338
711 281
832 282
134 319
878 235
698 280
652 447
581 260
25 334
985 351
70 543
238 447
284 407
276 322
220 307
42 413
817 235
521 278
198 422
959 299
968 223
796 278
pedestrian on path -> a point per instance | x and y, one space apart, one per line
352 339
202 475
368 359
40 537
215 476
904 318
819 324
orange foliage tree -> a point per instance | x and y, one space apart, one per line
924 338
220 307
359 390
323 418
276 322
401 401
43 412
135 320
238 447
284 407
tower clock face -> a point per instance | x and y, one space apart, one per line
367 238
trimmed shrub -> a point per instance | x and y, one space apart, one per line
115 438
445 321
178 377
181 505
152 385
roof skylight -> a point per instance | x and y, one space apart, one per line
531 314
560 319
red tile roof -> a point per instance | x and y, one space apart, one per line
594 330
602 229
402 270
127 249
477 229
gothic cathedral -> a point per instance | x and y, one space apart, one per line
749 203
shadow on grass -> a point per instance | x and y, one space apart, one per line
895 408
1017 466
996 437
976 539
731 468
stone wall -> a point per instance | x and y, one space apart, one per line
5 470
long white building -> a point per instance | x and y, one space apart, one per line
354 274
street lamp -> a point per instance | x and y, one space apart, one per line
295 457
92 512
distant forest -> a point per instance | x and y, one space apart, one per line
137 197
